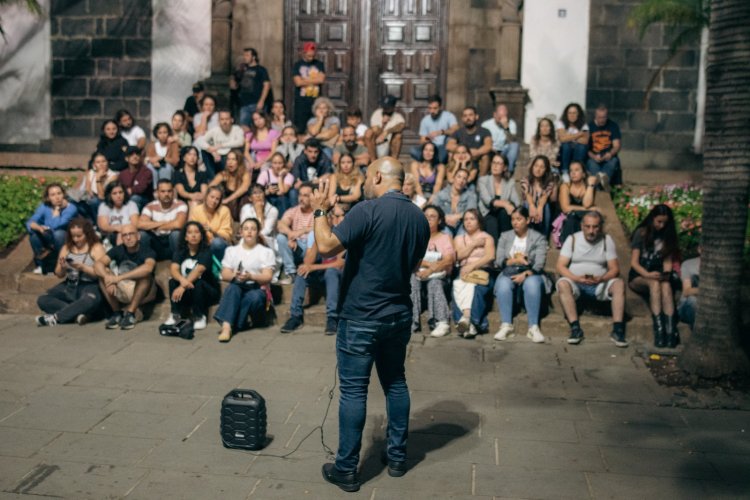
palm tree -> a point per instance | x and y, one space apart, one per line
715 347
31 5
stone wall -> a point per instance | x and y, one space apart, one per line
620 68
101 62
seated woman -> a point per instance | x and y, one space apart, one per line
544 143
189 182
346 182
434 276
216 221
456 199
409 188
115 213
573 133
475 251
260 143
576 199
48 225
162 155
268 215
653 244
112 145
498 196
288 146
279 120
521 254
207 118
235 181
246 266
78 297
192 285
278 184
461 159
94 184
180 134
538 190
429 171
324 125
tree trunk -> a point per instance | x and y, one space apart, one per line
715 348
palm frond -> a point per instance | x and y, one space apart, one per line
675 14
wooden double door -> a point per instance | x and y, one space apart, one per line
371 48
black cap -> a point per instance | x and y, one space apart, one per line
132 149
388 102
198 87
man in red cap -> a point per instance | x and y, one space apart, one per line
309 75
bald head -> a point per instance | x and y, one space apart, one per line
383 174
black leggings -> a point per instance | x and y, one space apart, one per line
497 222
198 298
67 302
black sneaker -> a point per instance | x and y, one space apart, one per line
395 469
332 325
113 321
345 481
576 335
293 323
128 321
82 319
618 338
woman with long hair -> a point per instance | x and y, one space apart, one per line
498 196
573 133
116 212
207 118
279 121
259 208
216 221
653 250
544 142
192 284
576 198
277 183
235 181
260 142
190 182
112 145
346 182
78 297
461 159
93 185
538 190
429 172
48 225
246 267
409 188
162 155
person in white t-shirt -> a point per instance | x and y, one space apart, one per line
385 134
573 134
129 130
162 220
246 266
115 213
588 267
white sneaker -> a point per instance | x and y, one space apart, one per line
38 270
287 279
604 181
471 333
172 319
535 334
462 326
441 329
199 323
565 178
506 329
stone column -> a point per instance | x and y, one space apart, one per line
509 58
221 51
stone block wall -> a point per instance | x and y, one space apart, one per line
101 62
619 70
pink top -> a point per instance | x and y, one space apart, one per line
267 176
262 149
441 243
478 252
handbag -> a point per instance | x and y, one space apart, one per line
478 277
514 269
183 329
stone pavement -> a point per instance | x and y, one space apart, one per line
90 413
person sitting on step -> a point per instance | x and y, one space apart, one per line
47 226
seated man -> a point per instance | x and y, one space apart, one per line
456 195
292 231
435 127
477 139
588 266
386 130
132 281
162 220
350 145
131 132
605 142
316 270
354 119
216 143
137 179
688 304
504 132
311 166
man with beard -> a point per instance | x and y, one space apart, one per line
129 130
477 139
435 127
350 145
504 132
161 221
386 126
253 86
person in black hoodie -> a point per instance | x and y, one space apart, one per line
112 145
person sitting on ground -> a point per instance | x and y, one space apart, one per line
385 135
435 127
311 166
346 182
216 143
190 182
690 275
288 146
429 171
278 184
48 225
259 208
292 229
504 133
317 270
461 159
455 200
137 179
653 245
605 141
544 143
192 285
94 184
77 298
538 190
433 276
278 118
162 220
246 267
131 284
192 105
475 251
207 118
573 133
409 189
324 124
180 134
498 197
576 199
260 143
112 145
350 146
161 155
131 132
115 213
521 255
354 119
477 139
216 220
234 180
588 267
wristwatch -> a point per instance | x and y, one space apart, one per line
319 213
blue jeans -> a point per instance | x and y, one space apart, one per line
608 167
416 153
246 114
510 150
237 304
480 307
290 258
505 294
282 202
545 226
686 310
359 344
165 171
330 277
213 167
164 245
52 240
218 246
570 152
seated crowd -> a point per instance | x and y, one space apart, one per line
229 205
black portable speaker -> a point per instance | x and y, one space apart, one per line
243 420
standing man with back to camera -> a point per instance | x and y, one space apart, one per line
385 237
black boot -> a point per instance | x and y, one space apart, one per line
660 339
673 334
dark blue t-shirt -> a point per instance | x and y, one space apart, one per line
601 138
385 239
